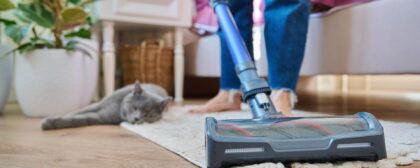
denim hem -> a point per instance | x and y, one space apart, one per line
230 89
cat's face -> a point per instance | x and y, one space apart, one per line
140 106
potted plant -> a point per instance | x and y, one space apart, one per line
56 71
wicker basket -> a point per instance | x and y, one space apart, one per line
149 63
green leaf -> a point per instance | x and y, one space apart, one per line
74 15
27 48
7 22
6 5
87 2
38 13
19 48
74 2
82 33
34 43
89 20
71 45
21 17
17 32
40 42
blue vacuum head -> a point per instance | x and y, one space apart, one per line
280 139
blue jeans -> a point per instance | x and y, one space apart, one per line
286 27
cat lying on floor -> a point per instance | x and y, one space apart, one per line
135 104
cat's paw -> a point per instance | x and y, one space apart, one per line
153 119
139 122
48 124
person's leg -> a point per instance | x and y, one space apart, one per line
286 27
242 13
229 97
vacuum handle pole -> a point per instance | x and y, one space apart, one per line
255 90
231 33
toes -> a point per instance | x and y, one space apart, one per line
192 110
218 108
283 115
288 114
197 110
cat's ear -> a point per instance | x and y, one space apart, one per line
164 104
137 89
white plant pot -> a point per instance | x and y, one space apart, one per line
6 75
53 82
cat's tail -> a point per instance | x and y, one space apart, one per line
79 120
73 119
48 123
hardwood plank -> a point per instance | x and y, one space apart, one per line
23 144
392 106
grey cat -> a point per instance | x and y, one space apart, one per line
134 103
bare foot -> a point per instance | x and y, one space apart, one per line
223 101
282 101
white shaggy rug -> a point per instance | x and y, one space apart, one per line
183 133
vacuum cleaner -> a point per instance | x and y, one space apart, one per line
272 137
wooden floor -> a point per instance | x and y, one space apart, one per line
23 144
392 106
